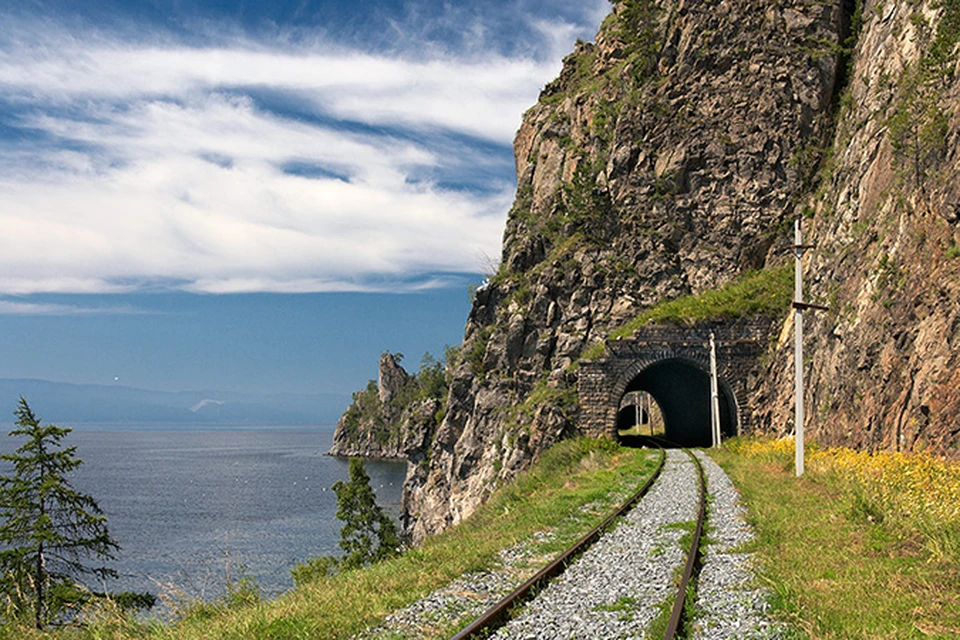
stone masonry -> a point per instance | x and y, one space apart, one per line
603 382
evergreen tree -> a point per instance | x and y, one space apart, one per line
368 534
48 528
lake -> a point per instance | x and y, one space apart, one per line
194 509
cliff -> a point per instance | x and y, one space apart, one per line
669 159
394 416
884 367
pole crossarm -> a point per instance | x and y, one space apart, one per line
804 306
796 247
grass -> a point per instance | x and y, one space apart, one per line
756 293
565 479
856 548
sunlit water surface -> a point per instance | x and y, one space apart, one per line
193 510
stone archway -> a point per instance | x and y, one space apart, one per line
672 365
681 389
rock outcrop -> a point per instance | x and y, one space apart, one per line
883 365
670 157
663 161
391 418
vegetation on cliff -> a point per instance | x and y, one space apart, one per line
919 122
767 292
382 416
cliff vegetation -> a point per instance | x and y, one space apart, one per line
393 416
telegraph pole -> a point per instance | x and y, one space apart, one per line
636 410
798 308
714 394
798 344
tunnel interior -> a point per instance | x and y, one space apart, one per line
681 389
627 417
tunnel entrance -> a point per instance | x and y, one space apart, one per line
639 415
680 390
670 363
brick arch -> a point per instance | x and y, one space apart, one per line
636 367
602 382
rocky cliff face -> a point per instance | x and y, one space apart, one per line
884 364
671 156
391 418
664 160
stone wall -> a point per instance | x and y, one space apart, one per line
740 343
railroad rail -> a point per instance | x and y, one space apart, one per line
500 613
676 615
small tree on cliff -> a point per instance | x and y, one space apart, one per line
368 534
48 529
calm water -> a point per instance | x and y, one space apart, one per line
193 508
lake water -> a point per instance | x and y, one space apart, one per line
192 509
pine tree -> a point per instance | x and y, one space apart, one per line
368 534
48 528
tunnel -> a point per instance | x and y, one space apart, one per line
681 389
627 417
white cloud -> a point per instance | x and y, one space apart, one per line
481 97
147 163
13 308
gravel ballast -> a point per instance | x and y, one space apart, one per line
615 588
729 604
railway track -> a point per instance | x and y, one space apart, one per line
500 614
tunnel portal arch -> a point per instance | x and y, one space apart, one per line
681 389
672 364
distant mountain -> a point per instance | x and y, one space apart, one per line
115 404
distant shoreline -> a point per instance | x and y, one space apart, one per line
179 427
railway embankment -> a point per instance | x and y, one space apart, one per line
863 546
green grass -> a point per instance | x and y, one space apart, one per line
834 574
755 293
567 477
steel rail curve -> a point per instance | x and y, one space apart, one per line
676 615
497 615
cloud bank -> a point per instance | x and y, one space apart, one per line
250 165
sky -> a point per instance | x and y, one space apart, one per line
256 196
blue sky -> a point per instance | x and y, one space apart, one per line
256 195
